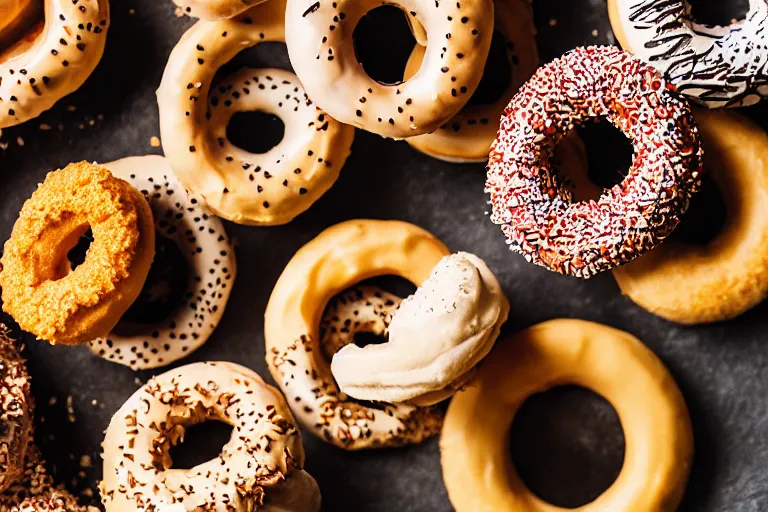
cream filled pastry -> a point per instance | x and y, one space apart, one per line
260 467
436 338
45 61
211 268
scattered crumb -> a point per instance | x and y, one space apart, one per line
154 142
45 127
52 401
86 462
552 22
131 11
71 108
595 33
20 141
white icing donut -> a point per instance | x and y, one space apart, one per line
267 189
211 260
321 48
53 59
215 9
715 66
260 467
467 137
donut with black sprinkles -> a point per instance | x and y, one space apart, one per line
534 205
214 9
15 411
211 266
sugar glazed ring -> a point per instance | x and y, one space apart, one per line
215 9
53 60
659 442
266 189
534 206
336 259
15 411
714 66
468 136
40 290
321 47
260 466
211 266
693 284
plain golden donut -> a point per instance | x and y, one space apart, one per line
477 470
321 48
692 284
39 289
52 59
266 189
215 9
338 258
468 136
259 468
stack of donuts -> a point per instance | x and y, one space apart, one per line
442 342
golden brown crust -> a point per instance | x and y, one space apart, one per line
39 290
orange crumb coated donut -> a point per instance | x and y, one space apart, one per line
41 291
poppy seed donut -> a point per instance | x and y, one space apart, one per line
714 66
211 270
321 47
54 60
534 205
215 9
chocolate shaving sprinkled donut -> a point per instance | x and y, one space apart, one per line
534 206
211 270
15 411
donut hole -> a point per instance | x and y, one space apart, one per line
164 289
77 254
717 12
200 443
363 339
21 25
497 74
383 42
567 445
706 215
255 131
395 285
72 251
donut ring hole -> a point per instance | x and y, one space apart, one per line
163 290
22 22
200 443
256 131
567 445
718 13
498 71
72 250
383 41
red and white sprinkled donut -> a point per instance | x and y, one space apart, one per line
321 47
52 59
15 411
210 258
534 205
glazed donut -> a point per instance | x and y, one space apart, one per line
693 284
39 289
659 443
533 206
210 258
336 259
454 318
52 60
321 48
260 466
215 9
15 411
468 136
714 66
267 189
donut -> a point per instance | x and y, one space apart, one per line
15 411
17 16
338 258
657 430
694 284
532 204
267 189
468 136
215 9
321 48
40 291
454 317
260 465
52 59
714 66
210 258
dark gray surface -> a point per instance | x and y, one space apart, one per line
567 443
